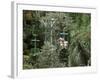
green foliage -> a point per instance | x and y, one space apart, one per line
26 64
44 26
80 42
48 57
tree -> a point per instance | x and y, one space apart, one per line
48 57
41 32
79 48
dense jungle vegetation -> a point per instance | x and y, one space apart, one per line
56 39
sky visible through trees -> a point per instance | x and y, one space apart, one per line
56 39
